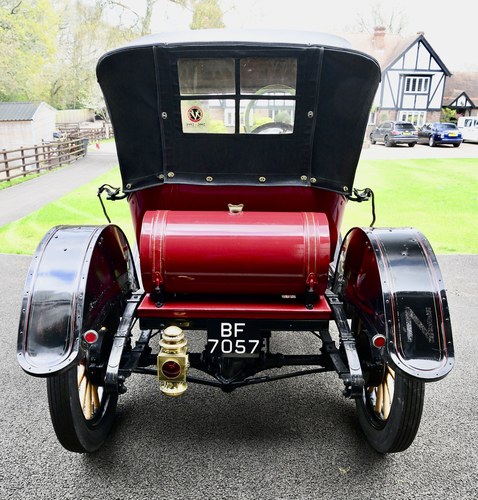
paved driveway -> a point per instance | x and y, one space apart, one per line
291 439
380 152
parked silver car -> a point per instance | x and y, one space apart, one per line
395 132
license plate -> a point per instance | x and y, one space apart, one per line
407 133
233 340
452 134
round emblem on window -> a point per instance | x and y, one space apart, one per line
195 114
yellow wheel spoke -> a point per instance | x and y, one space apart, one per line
82 392
386 401
81 373
87 409
88 393
379 400
384 394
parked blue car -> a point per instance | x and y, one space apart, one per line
440 133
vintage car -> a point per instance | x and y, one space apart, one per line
237 196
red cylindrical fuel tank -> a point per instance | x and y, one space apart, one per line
235 253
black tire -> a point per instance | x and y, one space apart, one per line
372 140
387 141
456 145
73 429
392 427
397 431
411 144
431 141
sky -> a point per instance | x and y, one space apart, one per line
450 27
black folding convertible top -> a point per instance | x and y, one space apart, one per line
335 89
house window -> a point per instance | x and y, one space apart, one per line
416 117
417 84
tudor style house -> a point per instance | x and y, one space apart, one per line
413 76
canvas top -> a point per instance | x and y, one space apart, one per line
239 108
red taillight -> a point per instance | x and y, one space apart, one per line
90 336
378 341
394 132
171 369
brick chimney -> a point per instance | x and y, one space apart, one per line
378 39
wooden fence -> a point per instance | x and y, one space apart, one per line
75 131
32 160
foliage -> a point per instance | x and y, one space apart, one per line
448 115
206 14
131 15
85 35
49 48
28 44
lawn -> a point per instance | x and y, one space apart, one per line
439 197
78 207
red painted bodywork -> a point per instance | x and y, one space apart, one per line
235 253
278 309
274 239
254 198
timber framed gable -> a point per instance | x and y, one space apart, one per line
414 80
463 101
413 76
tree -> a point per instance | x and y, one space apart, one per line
84 36
392 20
28 31
206 14
448 115
140 18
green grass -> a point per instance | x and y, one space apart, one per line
439 197
78 207
18 180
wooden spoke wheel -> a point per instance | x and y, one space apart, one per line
390 412
391 405
82 413
89 393
380 397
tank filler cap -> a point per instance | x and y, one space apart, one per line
235 209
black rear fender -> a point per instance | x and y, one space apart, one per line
391 278
77 277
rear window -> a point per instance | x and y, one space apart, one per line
446 126
405 126
238 96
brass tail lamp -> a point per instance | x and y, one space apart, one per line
173 362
